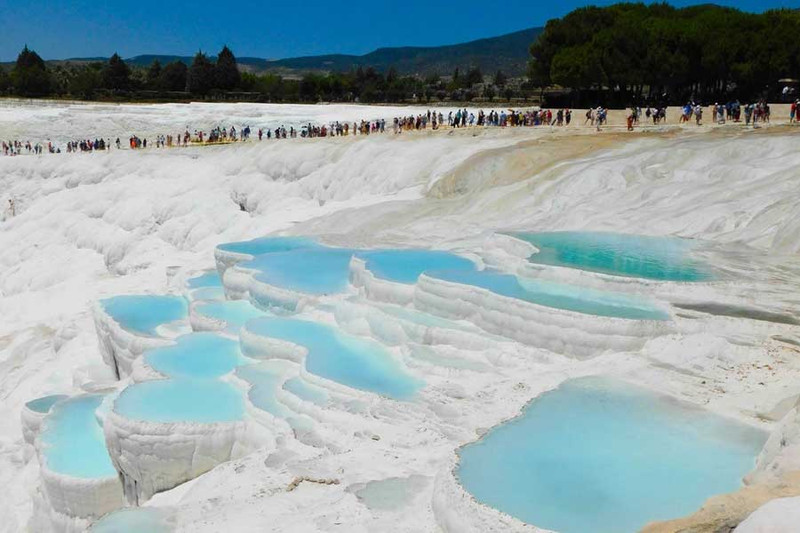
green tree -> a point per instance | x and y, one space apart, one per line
632 51
153 79
313 87
226 72
474 76
30 76
577 67
28 59
85 81
5 80
270 86
200 77
396 90
60 77
173 76
500 79
116 74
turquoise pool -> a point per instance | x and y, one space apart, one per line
602 455
45 403
197 355
355 362
267 245
315 271
265 379
181 400
73 441
235 313
405 266
658 258
306 391
557 295
143 313
206 280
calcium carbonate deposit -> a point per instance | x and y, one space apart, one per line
469 331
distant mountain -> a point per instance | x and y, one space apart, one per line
508 53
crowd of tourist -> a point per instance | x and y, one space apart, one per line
19 147
730 112
461 118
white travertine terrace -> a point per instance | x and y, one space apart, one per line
120 347
88 227
152 456
556 330
378 289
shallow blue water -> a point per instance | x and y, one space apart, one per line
181 400
73 439
266 245
405 266
313 271
135 520
143 313
197 355
234 312
601 455
422 318
659 258
306 391
209 279
323 270
43 404
354 362
264 380
557 295
208 294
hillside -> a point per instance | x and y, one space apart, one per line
508 53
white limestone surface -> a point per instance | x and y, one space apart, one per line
777 516
32 419
89 227
119 347
378 289
557 330
781 453
152 456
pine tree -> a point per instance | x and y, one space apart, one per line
173 76
200 78
116 74
226 72
29 59
30 76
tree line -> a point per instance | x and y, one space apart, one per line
221 78
32 77
628 53
618 55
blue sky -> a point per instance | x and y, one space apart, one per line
273 29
